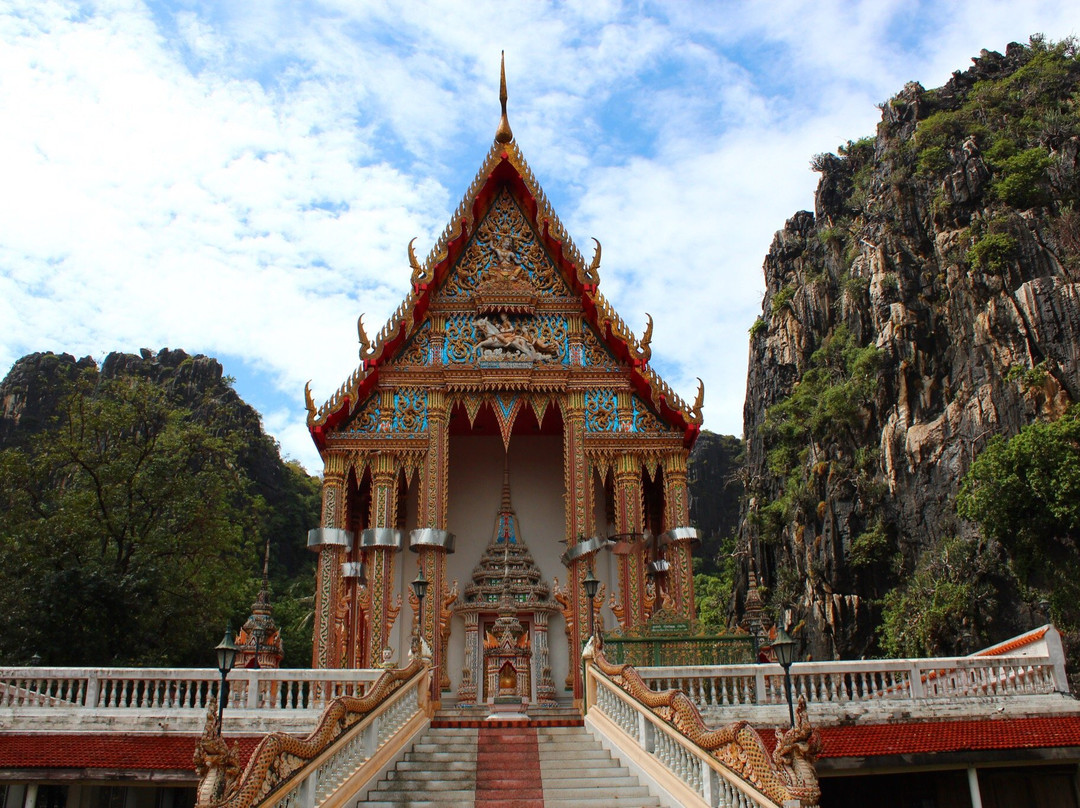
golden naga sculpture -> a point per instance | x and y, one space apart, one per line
309 404
365 343
420 276
591 275
787 774
446 616
279 755
644 349
699 402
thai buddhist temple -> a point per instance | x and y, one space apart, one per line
504 500
504 374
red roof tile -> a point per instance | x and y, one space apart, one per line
32 750
949 736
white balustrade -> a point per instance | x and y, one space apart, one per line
862 681
700 772
171 689
310 787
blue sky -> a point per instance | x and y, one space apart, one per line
241 179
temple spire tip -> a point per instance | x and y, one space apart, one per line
503 134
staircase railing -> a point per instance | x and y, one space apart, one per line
356 738
663 735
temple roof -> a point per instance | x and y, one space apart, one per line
503 171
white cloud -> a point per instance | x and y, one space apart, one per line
243 178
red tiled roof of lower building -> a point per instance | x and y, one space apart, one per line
33 750
949 736
1015 643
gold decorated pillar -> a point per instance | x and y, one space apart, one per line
628 526
381 541
432 541
578 512
680 580
332 543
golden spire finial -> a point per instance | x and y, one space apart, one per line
503 133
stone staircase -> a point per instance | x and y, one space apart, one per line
509 765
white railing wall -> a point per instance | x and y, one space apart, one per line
867 681
704 780
379 735
68 693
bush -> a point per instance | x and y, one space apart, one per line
993 251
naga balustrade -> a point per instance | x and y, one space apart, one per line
355 741
662 736
846 682
177 689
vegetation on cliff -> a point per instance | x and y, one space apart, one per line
137 499
929 304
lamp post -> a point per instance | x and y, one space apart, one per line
419 587
592 584
784 647
226 658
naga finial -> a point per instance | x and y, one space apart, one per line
365 343
419 274
699 402
309 402
644 352
592 272
503 134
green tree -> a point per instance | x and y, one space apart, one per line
945 606
128 536
1025 494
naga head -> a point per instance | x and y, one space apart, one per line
309 403
592 272
420 275
365 343
644 349
695 411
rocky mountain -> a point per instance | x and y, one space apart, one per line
930 302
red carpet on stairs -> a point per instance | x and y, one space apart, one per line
508 768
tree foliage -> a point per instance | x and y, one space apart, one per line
129 536
1025 494
946 605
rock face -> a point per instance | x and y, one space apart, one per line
930 302
715 483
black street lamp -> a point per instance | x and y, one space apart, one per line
784 647
592 584
419 588
226 658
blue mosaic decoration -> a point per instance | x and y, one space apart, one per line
602 414
410 410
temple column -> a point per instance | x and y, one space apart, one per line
431 540
470 671
578 511
636 605
545 687
381 542
680 580
332 543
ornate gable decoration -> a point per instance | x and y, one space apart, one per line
505 287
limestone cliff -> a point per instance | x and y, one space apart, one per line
931 301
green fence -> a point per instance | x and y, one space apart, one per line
681 651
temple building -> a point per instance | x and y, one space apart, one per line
504 355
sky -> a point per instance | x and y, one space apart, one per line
241 179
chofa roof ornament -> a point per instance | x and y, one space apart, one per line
503 134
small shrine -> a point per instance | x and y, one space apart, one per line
509 605
258 642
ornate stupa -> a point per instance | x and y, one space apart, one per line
512 660
259 641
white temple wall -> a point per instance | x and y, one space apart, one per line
537 494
